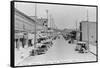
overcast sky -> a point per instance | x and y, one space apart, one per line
65 16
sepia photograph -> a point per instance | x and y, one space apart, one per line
50 33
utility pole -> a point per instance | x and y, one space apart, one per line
50 24
47 17
76 25
47 22
76 32
35 25
88 29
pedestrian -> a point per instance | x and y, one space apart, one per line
30 42
16 40
21 40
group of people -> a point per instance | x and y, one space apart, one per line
23 41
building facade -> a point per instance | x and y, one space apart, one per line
88 32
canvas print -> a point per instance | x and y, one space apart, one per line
47 33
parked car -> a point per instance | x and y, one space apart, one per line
48 44
41 39
42 49
81 47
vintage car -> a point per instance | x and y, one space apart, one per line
81 47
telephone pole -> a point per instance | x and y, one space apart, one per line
88 29
35 25
47 17
47 22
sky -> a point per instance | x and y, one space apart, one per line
65 16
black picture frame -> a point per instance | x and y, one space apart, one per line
12 59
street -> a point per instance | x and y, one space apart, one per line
60 52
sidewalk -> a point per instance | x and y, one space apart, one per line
93 48
22 53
